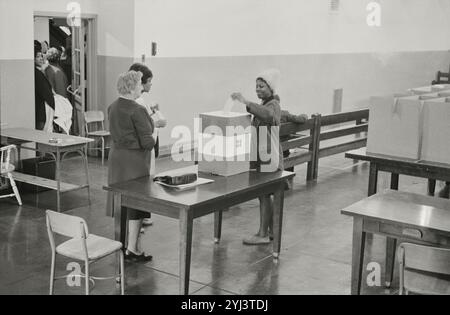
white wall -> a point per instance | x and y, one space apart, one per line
210 48
12 14
42 29
16 63
285 27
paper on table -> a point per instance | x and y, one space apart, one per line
229 104
198 182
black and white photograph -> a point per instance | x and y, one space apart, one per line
224 152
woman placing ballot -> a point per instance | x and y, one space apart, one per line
266 116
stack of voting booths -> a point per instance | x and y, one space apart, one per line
414 125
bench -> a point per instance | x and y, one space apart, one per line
328 135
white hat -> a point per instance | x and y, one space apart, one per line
272 78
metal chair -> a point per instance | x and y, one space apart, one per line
97 118
6 168
82 246
424 269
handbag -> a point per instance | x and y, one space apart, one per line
177 180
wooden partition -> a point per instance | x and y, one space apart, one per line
309 138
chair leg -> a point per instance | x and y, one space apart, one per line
14 187
103 150
52 274
122 273
86 264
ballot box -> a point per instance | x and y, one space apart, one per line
224 143
397 124
436 131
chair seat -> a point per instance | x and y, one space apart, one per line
7 168
101 133
97 247
426 283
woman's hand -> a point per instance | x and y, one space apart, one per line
238 97
155 108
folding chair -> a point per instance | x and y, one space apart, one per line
82 246
6 168
424 269
96 118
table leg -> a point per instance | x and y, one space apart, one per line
391 245
86 168
373 179
186 222
431 187
217 226
359 239
120 219
394 181
58 180
278 220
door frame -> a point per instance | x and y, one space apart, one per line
92 71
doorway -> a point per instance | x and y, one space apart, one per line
78 47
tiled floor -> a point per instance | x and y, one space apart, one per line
316 244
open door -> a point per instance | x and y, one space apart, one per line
78 87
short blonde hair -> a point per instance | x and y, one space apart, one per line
128 82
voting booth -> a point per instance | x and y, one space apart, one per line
413 127
224 143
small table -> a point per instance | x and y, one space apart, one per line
143 194
58 150
395 165
397 215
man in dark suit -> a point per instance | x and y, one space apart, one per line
42 89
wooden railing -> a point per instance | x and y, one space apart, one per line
311 147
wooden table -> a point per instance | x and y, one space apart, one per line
398 215
396 166
65 144
143 194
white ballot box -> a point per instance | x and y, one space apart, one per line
224 143
430 89
436 131
397 125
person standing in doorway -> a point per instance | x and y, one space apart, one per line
43 94
55 74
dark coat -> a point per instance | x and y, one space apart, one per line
42 94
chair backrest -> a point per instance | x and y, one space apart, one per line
5 156
425 258
431 260
93 116
67 225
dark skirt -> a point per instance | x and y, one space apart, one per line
124 165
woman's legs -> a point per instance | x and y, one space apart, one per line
266 216
265 223
134 231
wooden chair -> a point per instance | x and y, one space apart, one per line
96 118
82 246
6 168
424 269
442 78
